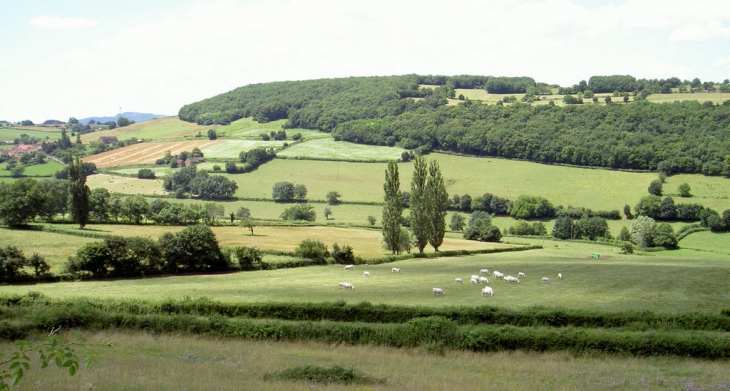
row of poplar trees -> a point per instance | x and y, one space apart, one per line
428 203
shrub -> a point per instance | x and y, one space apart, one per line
145 173
371 220
316 374
343 255
249 258
299 212
312 249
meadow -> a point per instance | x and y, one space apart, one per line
54 247
10 134
682 281
136 360
47 169
327 148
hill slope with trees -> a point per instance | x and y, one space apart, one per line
680 137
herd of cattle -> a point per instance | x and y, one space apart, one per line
475 279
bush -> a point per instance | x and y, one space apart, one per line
343 255
312 249
299 212
249 258
145 173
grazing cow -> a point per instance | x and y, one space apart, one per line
347 285
474 280
484 271
366 274
498 275
438 291
511 279
458 280
560 276
395 270
488 291
520 274
546 280
483 280
349 267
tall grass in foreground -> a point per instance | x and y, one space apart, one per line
149 361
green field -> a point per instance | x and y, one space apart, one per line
47 169
714 97
230 149
160 129
10 134
327 148
716 243
664 282
55 248
135 360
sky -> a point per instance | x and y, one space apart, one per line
82 58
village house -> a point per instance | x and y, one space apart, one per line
18 150
107 139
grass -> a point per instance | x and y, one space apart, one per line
125 185
327 148
230 149
714 97
167 128
708 241
665 282
10 134
136 360
55 248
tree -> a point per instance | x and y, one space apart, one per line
312 249
627 212
655 187
300 192
607 99
457 222
213 211
135 208
668 211
392 210
371 220
333 198
642 231
419 210
212 135
299 212
625 235
99 204
343 255
563 228
684 190
194 249
20 201
327 213
249 258
465 203
247 221
663 236
649 206
283 192
437 201
78 192
592 228
123 121
526 207
145 173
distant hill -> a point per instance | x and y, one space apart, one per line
136 117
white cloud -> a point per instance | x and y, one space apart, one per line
700 32
61 23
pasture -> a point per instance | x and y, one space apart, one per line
248 128
664 282
10 134
230 149
55 248
167 128
327 148
714 97
145 153
193 362
126 185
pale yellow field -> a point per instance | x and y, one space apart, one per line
126 185
145 153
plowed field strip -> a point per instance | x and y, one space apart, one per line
144 153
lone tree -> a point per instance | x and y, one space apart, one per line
437 201
392 209
419 210
79 192
333 198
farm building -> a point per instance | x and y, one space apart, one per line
189 161
21 149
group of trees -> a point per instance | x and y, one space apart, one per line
286 191
194 249
188 180
16 267
428 205
251 160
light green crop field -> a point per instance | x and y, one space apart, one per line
55 248
160 129
47 169
230 149
135 360
327 148
365 243
126 185
714 97
10 134
663 282
591 188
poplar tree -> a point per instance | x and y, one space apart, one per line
419 210
437 200
78 192
392 209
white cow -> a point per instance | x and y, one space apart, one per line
560 276
498 275
349 267
458 280
347 285
488 291
509 279
520 274
474 280
366 274
483 280
395 270
484 271
438 291
545 279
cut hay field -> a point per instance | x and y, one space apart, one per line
167 128
126 185
664 282
55 248
327 148
134 360
365 243
145 153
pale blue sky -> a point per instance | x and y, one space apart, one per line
81 58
